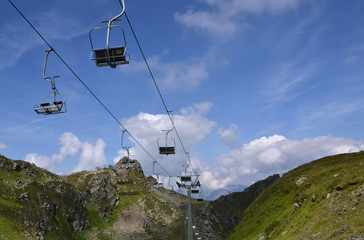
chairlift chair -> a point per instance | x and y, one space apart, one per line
56 106
172 193
157 184
167 144
128 163
110 55
200 196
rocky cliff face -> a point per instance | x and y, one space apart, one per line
111 203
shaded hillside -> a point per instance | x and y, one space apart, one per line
323 199
216 219
111 203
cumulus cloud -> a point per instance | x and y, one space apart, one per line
192 127
70 146
39 160
268 155
224 18
90 156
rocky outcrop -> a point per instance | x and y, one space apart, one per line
115 202
39 201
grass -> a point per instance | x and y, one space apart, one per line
8 230
273 214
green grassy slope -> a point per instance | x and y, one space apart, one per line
329 204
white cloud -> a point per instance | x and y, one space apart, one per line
211 23
183 75
90 156
3 146
268 155
225 17
39 160
147 128
229 135
70 146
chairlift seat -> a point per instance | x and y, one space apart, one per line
158 185
116 56
194 191
128 165
185 178
166 150
131 165
48 108
199 199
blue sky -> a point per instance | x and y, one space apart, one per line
256 87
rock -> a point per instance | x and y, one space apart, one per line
24 196
60 189
301 181
342 186
5 196
314 198
296 205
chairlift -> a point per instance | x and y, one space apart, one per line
167 144
128 163
195 191
157 184
200 197
56 106
172 193
110 55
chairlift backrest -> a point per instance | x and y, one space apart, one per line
110 55
166 145
166 150
185 178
